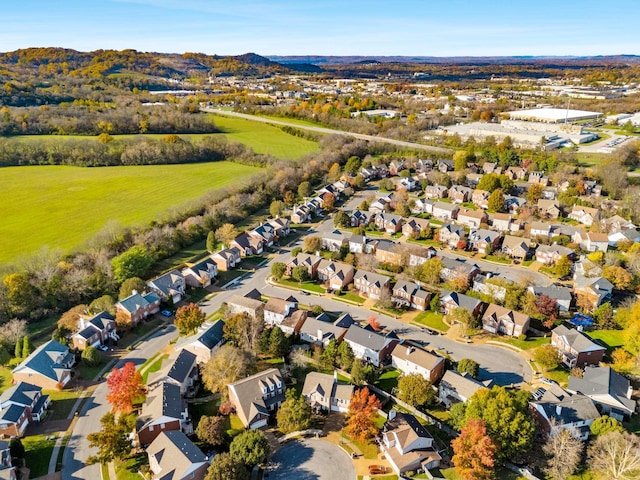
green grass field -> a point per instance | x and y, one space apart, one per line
62 207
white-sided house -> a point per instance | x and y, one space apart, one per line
585 215
408 445
369 346
277 309
324 392
409 359
257 397
204 343
456 388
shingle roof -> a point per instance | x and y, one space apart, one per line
416 355
175 454
208 335
497 312
250 396
23 393
182 366
558 293
372 278
12 413
43 360
135 301
366 338
576 340
460 299
163 400
167 283
604 385
566 408
464 385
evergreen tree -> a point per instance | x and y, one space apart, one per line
18 350
26 347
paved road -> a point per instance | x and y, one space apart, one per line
360 136
77 450
312 460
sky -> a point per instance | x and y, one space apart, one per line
327 27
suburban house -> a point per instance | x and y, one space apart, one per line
380 205
372 285
358 217
204 343
497 319
558 409
180 370
595 290
244 305
172 456
455 387
592 241
369 346
336 275
95 330
631 235
277 309
480 198
409 359
575 348
300 214
422 205
487 285
617 223
472 218
562 295
321 330
516 247
409 183
484 241
550 254
540 229
445 166
435 191
585 215
516 173
333 241
445 211
388 222
256 397
459 193
449 301
419 255
456 269
451 234
501 222
20 405
137 307
49 366
281 227
608 389
408 445
310 262
7 470
324 392
491 167
169 287
200 274
163 410
248 244
389 252
227 259
361 244
414 226
292 324
512 203
548 208
538 177
396 167
264 232
403 291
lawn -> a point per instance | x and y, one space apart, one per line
198 410
526 344
38 452
128 470
560 375
62 207
388 380
351 297
432 320
611 338
5 378
153 367
311 286
61 403
264 138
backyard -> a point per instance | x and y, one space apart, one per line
432 320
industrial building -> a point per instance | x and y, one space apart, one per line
553 115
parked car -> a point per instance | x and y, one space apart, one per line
377 469
548 381
102 348
166 313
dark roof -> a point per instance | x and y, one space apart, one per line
12 413
87 332
163 400
43 360
213 335
39 406
461 300
23 393
136 301
182 366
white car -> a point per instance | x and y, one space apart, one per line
102 348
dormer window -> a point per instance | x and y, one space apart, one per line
264 389
271 387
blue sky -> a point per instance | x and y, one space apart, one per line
327 27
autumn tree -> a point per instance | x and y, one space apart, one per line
104 303
534 193
294 414
312 243
125 386
345 356
415 390
562 267
495 202
615 456
250 447
135 262
130 285
341 220
278 270
211 429
243 331
70 318
507 417
276 208
474 452
225 467
361 373
226 233
605 424
304 189
189 318
471 367
227 365
464 317
564 451
373 322
547 357
429 271
328 201
618 276
363 410
112 441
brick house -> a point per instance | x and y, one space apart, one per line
372 285
49 366
21 405
201 273
163 410
388 222
227 259
138 307
451 234
575 348
497 319
95 330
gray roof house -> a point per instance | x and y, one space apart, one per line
257 396
449 301
204 342
456 388
369 346
607 388
49 366
163 410
169 286
181 370
172 456
562 295
320 330
324 392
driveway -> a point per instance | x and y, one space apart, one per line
312 459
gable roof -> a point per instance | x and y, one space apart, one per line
416 355
23 394
370 278
178 369
464 384
566 408
166 283
176 455
47 360
576 340
326 386
163 400
460 299
209 335
604 385
366 338
497 312
135 301
250 398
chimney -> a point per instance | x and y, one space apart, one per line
392 415
134 292
558 410
409 350
319 334
335 376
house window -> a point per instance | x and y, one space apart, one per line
162 426
151 428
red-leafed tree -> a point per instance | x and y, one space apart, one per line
474 451
361 417
125 385
373 322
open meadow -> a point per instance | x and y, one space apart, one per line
62 207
